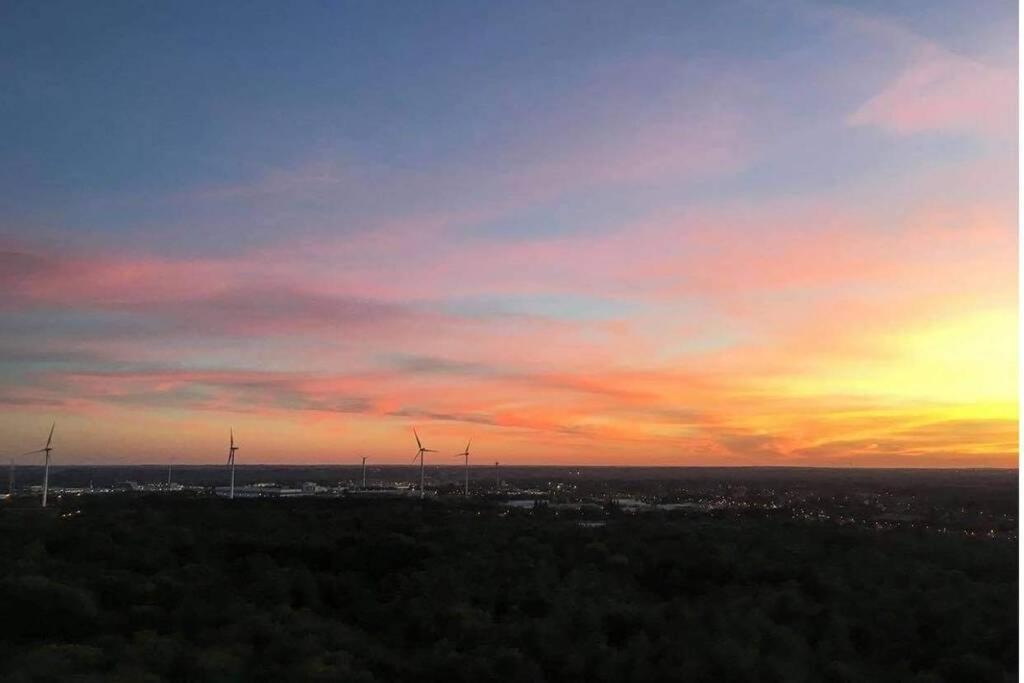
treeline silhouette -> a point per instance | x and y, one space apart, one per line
161 589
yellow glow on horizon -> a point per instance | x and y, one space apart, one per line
968 362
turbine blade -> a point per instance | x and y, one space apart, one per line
40 450
50 437
417 437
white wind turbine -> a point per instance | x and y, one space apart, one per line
46 469
419 454
231 461
465 454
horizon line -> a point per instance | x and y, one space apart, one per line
551 465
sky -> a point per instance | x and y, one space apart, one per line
633 233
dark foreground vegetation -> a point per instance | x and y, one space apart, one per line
191 589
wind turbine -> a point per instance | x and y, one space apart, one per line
497 475
46 470
419 454
231 462
465 454
364 472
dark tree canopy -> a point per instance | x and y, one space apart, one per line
158 589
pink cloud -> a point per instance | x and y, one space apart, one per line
86 278
941 91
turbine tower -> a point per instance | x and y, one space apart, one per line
497 475
364 472
465 454
419 454
231 462
46 469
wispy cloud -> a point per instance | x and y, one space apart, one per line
943 92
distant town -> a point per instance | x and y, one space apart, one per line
930 501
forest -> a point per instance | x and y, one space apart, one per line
150 588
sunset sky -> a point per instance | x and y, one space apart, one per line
652 233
